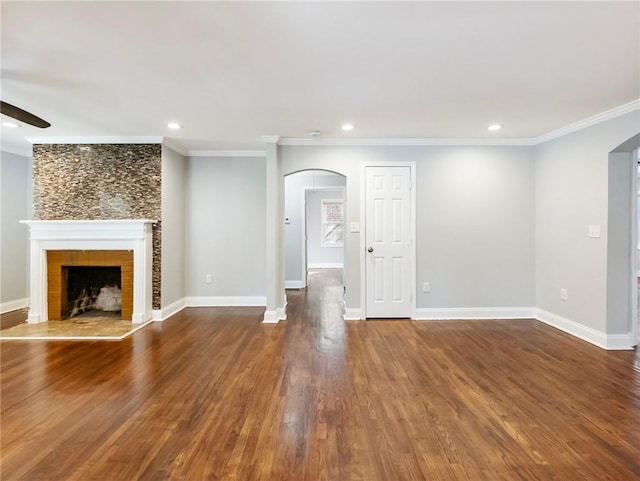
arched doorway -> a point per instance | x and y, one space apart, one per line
314 207
622 246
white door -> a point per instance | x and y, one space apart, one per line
388 242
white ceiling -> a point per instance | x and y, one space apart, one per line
232 72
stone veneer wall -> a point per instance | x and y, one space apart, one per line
100 181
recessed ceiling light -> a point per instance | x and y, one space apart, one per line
347 127
174 125
11 125
494 127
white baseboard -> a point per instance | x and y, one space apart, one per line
168 311
353 314
600 339
274 316
326 265
294 285
270 317
226 301
473 313
13 305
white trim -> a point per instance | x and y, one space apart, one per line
363 230
17 150
226 301
168 311
281 313
408 142
9 306
173 146
294 284
635 322
327 265
589 121
226 153
473 313
600 339
270 317
270 139
96 140
76 338
353 314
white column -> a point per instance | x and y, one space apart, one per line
273 216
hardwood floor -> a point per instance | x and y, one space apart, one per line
213 394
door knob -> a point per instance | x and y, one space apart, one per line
370 249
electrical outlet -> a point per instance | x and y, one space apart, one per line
426 287
564 294
207 278
594 231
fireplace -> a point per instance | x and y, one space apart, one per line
72 249
89 281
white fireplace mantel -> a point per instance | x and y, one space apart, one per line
127 234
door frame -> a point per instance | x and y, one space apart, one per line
305 257
363 231
635 322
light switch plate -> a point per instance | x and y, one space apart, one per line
594 231
354 227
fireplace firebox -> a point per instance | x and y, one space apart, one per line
91 291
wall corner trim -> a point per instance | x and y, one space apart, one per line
353 314
593 336
270 317
168 311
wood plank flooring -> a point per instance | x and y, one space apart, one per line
213 394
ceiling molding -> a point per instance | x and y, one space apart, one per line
408 142
271 139
173 146
226 153
590 121
17 150
96 140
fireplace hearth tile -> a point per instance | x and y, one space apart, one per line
83 328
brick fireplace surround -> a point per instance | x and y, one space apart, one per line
91 235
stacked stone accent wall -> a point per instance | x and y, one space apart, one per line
100 182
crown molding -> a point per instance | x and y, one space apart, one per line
17 150
270 139
409 142
226 153
96 140
173 146
590 121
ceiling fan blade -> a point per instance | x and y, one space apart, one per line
22 115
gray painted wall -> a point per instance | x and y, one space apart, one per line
15 200
475 219
294 186
572 187
475 227
173 222
225 226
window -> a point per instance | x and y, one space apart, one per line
332 214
